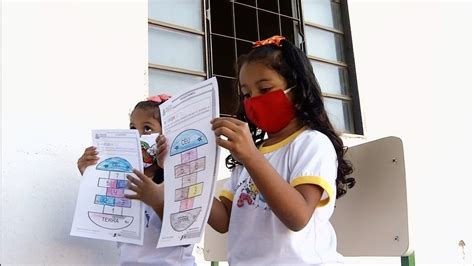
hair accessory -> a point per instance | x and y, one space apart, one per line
275 40
158 98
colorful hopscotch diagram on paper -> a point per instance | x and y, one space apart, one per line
113 200
190 169
102 211
186 145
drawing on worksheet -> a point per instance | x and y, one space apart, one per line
102 211
186 145
191 164
112 199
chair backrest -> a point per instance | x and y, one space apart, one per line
372 218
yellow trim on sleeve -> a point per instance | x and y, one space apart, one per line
227 194
315 180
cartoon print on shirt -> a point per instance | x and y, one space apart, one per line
250 194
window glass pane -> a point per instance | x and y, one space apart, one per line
288 28
286 7
269 24
339 114
247 2
243 47
161 81
228 95
175 49
246 23
323 12
324 44
190 12
271 5
223 55
332 79
221 17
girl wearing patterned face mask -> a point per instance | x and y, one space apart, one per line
287 161
145 118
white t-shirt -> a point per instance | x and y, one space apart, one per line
148 254
256 235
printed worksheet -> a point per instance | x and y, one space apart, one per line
190 168
102 211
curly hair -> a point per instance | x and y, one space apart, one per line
292 64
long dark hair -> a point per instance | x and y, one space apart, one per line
291 63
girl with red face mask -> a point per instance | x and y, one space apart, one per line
286 160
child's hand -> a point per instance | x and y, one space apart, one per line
147 191
161 150
87 159
239 139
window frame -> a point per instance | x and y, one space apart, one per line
179 28
353 98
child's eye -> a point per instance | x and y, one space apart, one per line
148 129
132 127
246 95
263 90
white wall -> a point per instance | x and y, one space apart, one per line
71 67
414 70
67 68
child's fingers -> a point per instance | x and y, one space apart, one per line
91 150
133 187
228 120
162 151
224 144
135 181
161 144
82 165
161 139
131 196
86 161
223 122
90 158
141 175
226 132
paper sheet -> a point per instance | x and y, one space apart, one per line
102 212
191 166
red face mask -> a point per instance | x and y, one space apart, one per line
271 111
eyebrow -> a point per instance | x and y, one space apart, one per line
258 81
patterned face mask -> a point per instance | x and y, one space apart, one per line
148 143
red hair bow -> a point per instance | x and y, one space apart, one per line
158 98
275 40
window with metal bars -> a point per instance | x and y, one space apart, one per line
329 47
234 25
207 37
176 45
